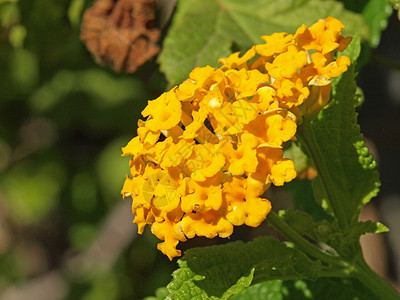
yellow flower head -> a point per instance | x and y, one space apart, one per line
324 36
210 147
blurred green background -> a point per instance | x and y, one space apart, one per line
63 121
65 232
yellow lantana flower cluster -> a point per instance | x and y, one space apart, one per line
211 147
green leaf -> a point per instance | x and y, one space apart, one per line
221 271
321 288
303 196
376 14
240 285
273 289
303 224
185 284
345 242
204 31
348 178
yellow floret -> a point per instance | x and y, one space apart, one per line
210 147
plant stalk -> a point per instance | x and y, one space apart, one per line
302 243
339 267
358 269
374 282
307 137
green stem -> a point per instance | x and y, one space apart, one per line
374 282
338 267
307 137
359 269
302 243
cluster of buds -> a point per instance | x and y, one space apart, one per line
212 146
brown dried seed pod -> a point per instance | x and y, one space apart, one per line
121 33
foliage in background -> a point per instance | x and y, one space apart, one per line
63 119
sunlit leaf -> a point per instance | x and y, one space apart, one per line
204 31
220 271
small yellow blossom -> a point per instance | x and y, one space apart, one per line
170 232
209 224
164 112
243 206
205 162
274 44
210 147
202 196
272 128
286 64
236 62
243 159
324 36
283 171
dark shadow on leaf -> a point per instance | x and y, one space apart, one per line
220 267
